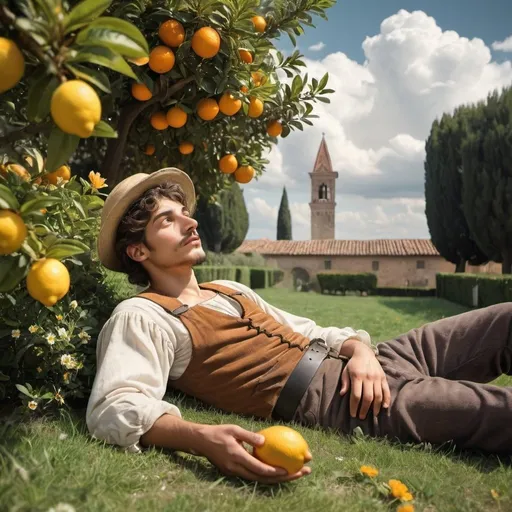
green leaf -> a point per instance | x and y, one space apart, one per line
80 208
64 248
92 202
8 200
323 81
123 27
38 203
39 97
61 146
84 13
11 276
94 76
24 390
112 40
102 56
103 129
323 100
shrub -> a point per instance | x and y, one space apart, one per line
334 282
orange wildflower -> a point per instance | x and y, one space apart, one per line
369 471
96 180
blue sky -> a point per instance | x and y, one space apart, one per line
421 59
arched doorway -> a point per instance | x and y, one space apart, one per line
300 279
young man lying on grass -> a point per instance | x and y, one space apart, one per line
223 344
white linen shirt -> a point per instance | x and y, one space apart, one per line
142 346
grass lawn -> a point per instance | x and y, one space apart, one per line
46 462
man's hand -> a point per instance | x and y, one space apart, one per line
222 446
367 380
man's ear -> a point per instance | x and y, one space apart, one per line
137 252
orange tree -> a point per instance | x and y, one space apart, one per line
125 87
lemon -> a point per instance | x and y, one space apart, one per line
284 448
12 64
76 108
48 281
12 232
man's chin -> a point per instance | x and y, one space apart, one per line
200 257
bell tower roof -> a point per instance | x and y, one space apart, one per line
323 158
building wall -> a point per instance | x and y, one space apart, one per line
393 271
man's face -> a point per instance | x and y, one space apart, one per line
172 239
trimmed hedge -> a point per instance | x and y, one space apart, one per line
252 277
492 289
334 282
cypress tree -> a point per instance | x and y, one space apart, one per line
284 219
446 220
487 178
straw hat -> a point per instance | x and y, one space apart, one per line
121 198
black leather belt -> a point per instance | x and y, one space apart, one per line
299 380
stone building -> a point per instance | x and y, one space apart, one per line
396 262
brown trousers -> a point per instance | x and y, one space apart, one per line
437 375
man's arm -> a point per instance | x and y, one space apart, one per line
220 444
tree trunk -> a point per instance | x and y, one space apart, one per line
461 266
506 266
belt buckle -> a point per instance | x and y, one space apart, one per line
330 352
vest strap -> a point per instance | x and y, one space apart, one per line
220 288
170 304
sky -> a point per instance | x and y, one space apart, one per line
395 67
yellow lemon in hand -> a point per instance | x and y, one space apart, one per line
48 281
284 448
76 108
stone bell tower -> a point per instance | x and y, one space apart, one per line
323 195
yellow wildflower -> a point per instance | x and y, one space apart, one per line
495 494
66 376
405 508
15 333
50 339
397 488
32 405
59 398
59 318
73 304
33 329
369 471
68 361
39 369
407 497
84 336
96 180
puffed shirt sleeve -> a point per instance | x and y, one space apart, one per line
134 357
333 336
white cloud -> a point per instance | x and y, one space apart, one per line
317 47
376 126
503 46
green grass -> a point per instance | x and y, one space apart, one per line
43 463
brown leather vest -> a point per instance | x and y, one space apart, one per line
239 364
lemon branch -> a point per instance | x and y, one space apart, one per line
115 150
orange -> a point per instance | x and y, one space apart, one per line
172 33
12 232
229 105
48 281
161 59
141 92
228 164
274 129
284 447
206 42
141 61
158 121
63 172
255 107
258 78
176 117
259 23
245 55
12 64
207 109
150 149
244 89
16 169
186 148
244 174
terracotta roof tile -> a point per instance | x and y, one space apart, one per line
385 247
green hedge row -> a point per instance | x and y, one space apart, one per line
404 292
492 289
333 282
251 277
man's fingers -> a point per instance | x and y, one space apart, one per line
367 399
258 467
377 397
355 396
386 401
249 475
249 437
345 381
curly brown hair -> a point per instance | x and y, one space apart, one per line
132 227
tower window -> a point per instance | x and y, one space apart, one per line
327 264
420 264
375 266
